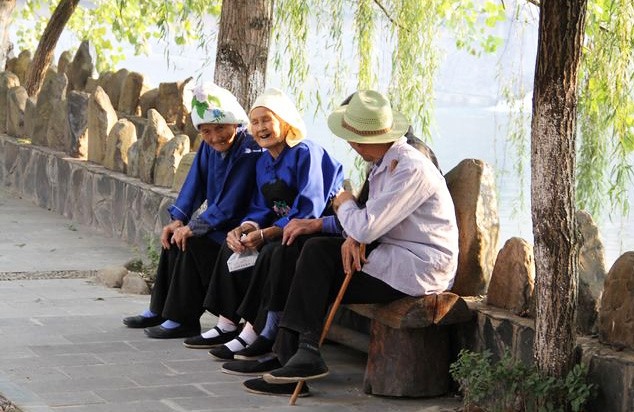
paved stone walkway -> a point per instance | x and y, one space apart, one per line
63 349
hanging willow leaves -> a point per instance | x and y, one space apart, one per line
606 107
413 27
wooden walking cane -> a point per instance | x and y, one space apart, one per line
331 316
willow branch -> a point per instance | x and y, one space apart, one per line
387 14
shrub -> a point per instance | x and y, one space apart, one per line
509 385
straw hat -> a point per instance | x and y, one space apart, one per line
368 118
213 104
278 102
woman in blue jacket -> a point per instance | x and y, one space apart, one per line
296 178
223 175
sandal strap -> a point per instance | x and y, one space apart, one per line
242 341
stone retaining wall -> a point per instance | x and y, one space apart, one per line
112 202
612 370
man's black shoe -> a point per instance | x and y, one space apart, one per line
258 349
260 386
182 331
199 342
250 367
140 322
306 364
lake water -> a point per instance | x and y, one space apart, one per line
471 121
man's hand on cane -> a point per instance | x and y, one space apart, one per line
352 255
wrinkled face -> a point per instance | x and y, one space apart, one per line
219 136
268 130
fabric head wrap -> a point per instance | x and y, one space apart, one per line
278 102
213 104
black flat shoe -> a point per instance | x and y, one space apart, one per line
140 322
258 349
250 367
199 342
306 364
182 331
223 352
260 386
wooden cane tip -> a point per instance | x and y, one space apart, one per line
298 389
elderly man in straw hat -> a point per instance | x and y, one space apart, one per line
408 224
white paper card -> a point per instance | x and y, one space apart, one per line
239 261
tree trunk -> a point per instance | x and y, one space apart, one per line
561 28
6 8
46 46
243 48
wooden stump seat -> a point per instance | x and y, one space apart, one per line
409 344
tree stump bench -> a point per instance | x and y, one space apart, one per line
409 352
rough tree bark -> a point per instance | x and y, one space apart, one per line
46 46
561 28
6 8
243 48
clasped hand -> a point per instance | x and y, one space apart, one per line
179 234
251 240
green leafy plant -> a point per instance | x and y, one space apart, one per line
153 254
509 385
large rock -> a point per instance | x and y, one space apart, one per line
156 134
52 92
513 278
472 187
133 160
172 102
134 283
101 118
182 171
8 80
22 64
104 79
64 62
616 316
131 93
148 100
114 85
77 108
91 85
82 67
112 277
168 160
15 113
57 133
192 132
30 114
122 136
591 269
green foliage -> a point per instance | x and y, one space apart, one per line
364 33
414 27
125 21
510 385
606 107
290 33
153 254
605 111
